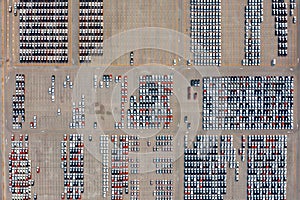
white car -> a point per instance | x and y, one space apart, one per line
294 19
100 84
95 81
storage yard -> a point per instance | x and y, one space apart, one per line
191 99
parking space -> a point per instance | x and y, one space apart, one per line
234 27
90 29
206 32
47 39
208 179
152 107
39 103
104 151
267 166
170 15
248 102
18 102
253 19
162 147
140 129
45 155
128 94
283 12
20 177
237 48
72 163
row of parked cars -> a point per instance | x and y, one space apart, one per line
206 32
19 168
124 97
131 58
18 102
107 79
36 4
155 92
135 189
253 19
267 167
104 158
248 102
90 29
120 169
292 7
51 90
195 83
78 114
67 82
43 31
72 162
163 167
279 10
163 143
134 165
227 151
134 144
205 173
242 149
164 189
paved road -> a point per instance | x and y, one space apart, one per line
1 18
298 104
75 34
2 48
2 136
6 53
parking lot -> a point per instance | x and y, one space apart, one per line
238 98
38 102
80 100
232 29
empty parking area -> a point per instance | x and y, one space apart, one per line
134 15
39 101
